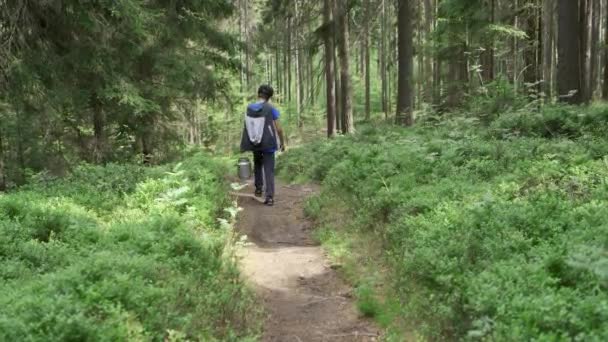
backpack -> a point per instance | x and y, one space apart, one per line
259 132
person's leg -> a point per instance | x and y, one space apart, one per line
258 162
269 174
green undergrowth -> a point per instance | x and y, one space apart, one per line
123 253
490 230
358 257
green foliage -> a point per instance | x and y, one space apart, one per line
366 303
104 81
492 233
554 122
121 253
495 98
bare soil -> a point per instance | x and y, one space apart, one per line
304 297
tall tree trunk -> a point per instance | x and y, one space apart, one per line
146 150
530 48
277 71
289 54
456 76
330 91
416 8
487 56
337 82
437 67
429 12
286 65
313 89
383 59
241 51
515 47
348 125
2 169
595 47
367 59
20 148
99 122
406 54
585 15
361 64
271 68
548 42
437 86
248 48
568 45
605 76
299 78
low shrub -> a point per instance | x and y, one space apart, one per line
492 233
121 253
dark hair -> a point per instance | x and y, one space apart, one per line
265 91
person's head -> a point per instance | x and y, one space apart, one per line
265 92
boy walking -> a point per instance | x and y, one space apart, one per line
263 135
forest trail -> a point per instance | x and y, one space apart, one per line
304 298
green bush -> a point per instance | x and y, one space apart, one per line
553 121
121 253
495 233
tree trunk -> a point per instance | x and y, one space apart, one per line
419 79
311 84
569 51
383 59
329 68
429 12
289 54
269 66
585 15
595 47
367 62
248 63
242 36
515 49
99 143
487 56
605 85
299 85
406 54
286 65
277 71
530 67
437 86
337 84
361 67
456 76
2 169
348 126
548 42
437 67
146 150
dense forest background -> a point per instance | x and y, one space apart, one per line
462 185
138 80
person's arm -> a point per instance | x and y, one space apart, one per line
279 129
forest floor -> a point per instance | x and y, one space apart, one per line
303 295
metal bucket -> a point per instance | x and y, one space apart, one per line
244 169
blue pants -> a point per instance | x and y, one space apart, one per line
264 161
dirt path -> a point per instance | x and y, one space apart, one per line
304 297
